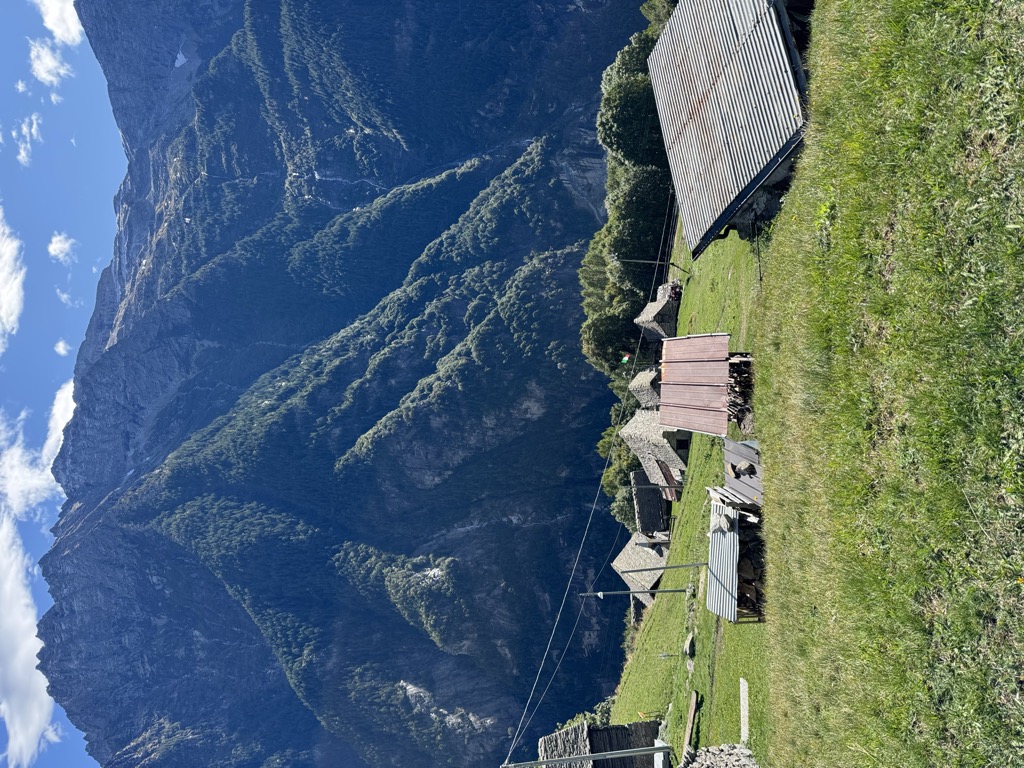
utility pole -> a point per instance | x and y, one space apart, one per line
600 595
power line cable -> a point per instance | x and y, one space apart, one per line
521 727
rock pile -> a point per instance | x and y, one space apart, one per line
725 756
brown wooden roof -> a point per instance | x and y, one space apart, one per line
695 383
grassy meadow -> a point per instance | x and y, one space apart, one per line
890 395
889 401
719 294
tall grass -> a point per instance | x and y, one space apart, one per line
890 395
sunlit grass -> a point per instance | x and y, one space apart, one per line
890 396
718 296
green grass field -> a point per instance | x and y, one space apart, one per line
719 294
889 360
890 403
890 395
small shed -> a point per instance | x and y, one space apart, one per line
658 319
703 385
645 387
648 505
585 739
735 557
660 450
728 85
642 552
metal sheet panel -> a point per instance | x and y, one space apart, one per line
727 85
723 559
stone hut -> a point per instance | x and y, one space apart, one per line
658 319
585 739
648 505
642 551
645 387
660 450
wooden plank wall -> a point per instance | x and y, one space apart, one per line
728 101
694 383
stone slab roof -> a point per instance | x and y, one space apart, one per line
645 387
647 504
658 318
641 552
646 439
585 739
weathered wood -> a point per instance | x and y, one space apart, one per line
694 372
694 396
698 348
708 422
688 735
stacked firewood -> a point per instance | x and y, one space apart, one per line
741 386
750 570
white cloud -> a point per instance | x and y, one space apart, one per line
62 348
60 18
55 98
66 299
27 132
20 86
12 282
25 707
25 478
62 248
25 482
47 63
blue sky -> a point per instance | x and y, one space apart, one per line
60 165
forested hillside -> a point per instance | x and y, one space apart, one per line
331 452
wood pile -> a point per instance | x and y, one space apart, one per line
750 571
741 387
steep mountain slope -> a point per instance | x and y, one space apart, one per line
329 461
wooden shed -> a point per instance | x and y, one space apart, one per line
728 85
703 385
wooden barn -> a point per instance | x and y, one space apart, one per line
728 84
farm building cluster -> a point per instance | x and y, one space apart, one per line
729 89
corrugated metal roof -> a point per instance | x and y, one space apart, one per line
723 558
727 83
695 383
743 482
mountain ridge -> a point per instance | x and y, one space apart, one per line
328 420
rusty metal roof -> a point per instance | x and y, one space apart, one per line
695 383
727 82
